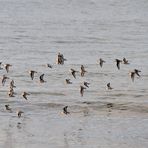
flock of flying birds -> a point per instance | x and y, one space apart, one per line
60 60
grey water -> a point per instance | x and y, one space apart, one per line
32 32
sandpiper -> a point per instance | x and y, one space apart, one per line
7 67
73 72
101 61
24 94
7 107
108 86
137 72
11 93
0 66
86 84
19 113
12 84
82 90
132 75
65 110
118 63
4 78
82 70
68 81
125 61
32 72
49 66
60 59
41 78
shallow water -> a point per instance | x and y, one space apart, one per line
32 32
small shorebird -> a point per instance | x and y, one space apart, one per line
125 61
11 92
65 110
24 94
12 84
86 84
137 72
101 61
82 70
82 90
19 113
60 59
4 78
49 66
118 63
108 86
68 81
132 75
32 72
7 67
7 107
73 72
0 66
41 78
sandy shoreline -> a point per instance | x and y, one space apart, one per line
88 128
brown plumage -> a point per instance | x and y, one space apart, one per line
60 59
24 94
7 107
11 93
132 75
49 66
68 81
4 78
7 67
19 113
32 72
82 90
125 61
82 70
12 84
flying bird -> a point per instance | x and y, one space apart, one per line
0 66
12 84
25 94
7 67
4 78
68 81
41 78
101 61
132 75
7 107
137 72
32 72
86 84
49 66
73 72
19 113
82 90
11 92
118 63
108 86
65 110
125 61
82 70
60 59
